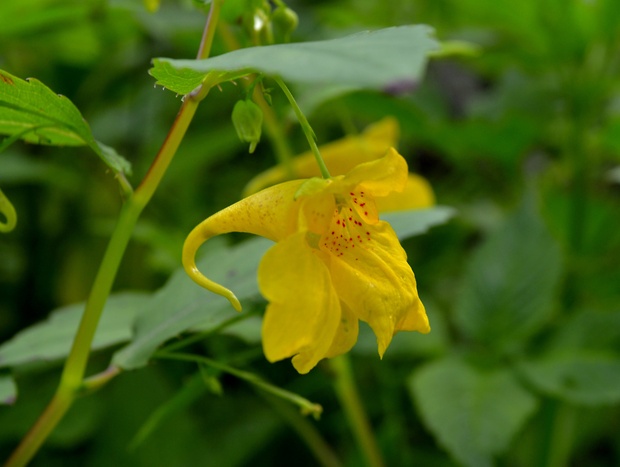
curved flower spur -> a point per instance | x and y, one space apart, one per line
334 262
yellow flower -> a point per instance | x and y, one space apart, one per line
334 262
342 156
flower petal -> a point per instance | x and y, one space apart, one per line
379 177
416 195
340 156
272 213
375 281
346 335
304 313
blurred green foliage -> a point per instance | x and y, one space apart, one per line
522 286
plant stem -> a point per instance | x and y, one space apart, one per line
310 136
306 431
75 366
304 404
350 401
557 440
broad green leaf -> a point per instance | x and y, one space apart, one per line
8 390
578 376
32 112
579 365
474 414
510 282
382 59
182 305
417 221
51 340
589 330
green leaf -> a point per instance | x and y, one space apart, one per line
182 305
474 414
376 60
510 282
591 330
417 221
577 376
34 113
51 340
8 390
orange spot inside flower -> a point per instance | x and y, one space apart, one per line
348 229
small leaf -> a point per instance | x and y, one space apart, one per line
375 60
8 390
417 221
510 282
38 115
51 340
474 414
577 376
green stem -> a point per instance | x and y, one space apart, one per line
350 401
75 366
304 404
557 440
306 431
310 136
283 152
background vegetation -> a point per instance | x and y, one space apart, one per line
519 131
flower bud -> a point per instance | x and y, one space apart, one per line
247 118
284 21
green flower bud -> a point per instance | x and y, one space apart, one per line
285 21
247 118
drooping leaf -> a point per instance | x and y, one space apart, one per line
417 221
473 414
577 376
8 390
34 113
51 340
182 305
379 59
510 282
